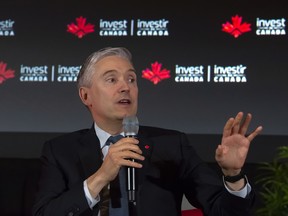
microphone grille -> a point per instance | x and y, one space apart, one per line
130 125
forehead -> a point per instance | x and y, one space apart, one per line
113 63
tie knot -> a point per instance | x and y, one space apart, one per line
113 139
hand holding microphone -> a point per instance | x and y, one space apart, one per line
131 127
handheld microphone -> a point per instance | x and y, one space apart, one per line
131 127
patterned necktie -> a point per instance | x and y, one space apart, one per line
118 205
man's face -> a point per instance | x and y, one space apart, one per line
114 91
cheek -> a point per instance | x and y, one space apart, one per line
136 93
104 97
94 98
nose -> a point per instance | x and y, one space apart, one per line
124 86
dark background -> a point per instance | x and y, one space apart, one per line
32 112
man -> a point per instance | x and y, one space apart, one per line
75 171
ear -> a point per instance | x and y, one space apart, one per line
84 95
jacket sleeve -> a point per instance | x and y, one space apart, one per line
57 195
204 188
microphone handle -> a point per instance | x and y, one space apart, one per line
131 184
131 181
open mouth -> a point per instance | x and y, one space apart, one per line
125 101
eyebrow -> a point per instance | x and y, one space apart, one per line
108 72
114 71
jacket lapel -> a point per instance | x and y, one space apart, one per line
146 145
90 153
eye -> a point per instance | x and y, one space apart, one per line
132 79
111 80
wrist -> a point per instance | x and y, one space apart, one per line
231 172
234 178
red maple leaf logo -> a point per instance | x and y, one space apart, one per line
236 28
5 74
156 74
81 28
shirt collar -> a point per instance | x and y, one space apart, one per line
102 135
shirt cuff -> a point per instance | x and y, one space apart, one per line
241 193
91 201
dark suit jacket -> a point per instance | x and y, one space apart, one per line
171 168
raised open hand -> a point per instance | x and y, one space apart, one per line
232 152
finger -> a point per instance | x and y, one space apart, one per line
125 144
228 127
131 155
127 158
237 123
127 140
255 133
132 163
245 125
129 148
218 152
